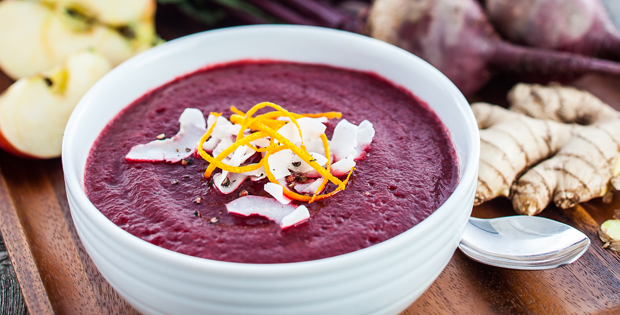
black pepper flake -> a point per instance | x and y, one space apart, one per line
301 179
174 182
297 164
188 150
198 200
161 136
226 182
177 149
188 161
48 81
185 176
289 179
214 220
198 214
313 160
296 177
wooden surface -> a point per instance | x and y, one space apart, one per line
56 275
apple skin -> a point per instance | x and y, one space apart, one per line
34 111
8 147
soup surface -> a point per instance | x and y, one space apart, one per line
408 172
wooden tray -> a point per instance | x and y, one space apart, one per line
56 275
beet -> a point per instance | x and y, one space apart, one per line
456 37
579 26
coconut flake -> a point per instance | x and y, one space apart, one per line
234 181
310 186
319 119
277 192
296 217
342 167
344 140
315 146
270 209
349 139
279 163
223 129
181 146
221 146
261 143
311 129
365 134
305 167
257 174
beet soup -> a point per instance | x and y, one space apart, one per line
409 170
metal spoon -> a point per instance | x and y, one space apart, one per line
522 242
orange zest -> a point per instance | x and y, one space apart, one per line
327 167
265 126
217 161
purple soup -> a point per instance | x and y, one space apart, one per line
409 171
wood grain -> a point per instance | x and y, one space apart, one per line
18 248
11 299
49 237
108 299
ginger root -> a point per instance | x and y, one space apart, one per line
509 143
580 171
580 159
609 232
559 103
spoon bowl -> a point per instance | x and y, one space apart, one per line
522 242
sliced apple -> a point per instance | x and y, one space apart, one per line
111 12
36 36
35 110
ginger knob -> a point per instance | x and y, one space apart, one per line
609 232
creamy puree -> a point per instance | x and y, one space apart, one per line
408 172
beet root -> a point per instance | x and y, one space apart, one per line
579 26
456 37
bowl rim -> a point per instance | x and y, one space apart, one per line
75 190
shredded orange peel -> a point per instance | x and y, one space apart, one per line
266 125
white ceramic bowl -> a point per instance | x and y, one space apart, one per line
382 279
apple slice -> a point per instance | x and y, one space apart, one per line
111 12
35 110
37 36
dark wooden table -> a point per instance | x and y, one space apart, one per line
56 275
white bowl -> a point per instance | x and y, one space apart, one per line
382 279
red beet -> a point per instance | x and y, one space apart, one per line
456 37
580 26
